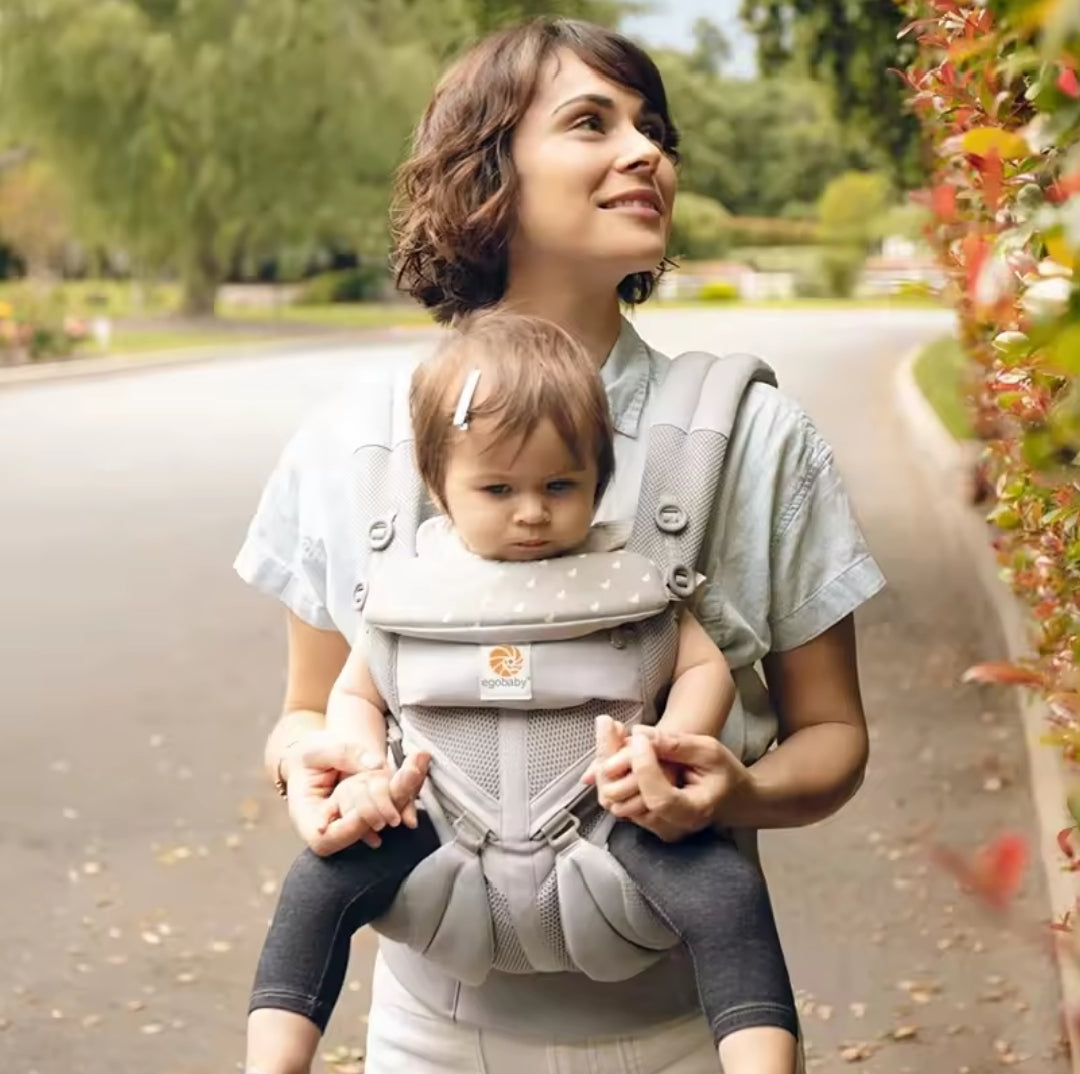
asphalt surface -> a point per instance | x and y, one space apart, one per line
140 848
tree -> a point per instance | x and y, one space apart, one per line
851 208
196 129
712 49
34 216
488 14
757 146
698 227
853 45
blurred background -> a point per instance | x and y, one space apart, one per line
166 161
193 255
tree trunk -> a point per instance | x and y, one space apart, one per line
199 283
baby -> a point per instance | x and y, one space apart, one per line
514 442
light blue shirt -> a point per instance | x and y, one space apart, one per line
786 559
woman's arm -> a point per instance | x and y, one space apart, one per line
817 766
315 659
821 757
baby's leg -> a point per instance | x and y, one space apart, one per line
302 967
717 903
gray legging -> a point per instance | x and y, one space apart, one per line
702 888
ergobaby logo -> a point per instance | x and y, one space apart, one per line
505 672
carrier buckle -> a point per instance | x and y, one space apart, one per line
469 833
561 830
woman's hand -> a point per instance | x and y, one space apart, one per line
321 764
712 777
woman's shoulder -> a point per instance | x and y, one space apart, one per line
369 410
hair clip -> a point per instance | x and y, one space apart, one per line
468 390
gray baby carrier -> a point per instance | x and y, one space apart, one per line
499 671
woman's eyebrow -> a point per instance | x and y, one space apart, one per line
602 101
593 98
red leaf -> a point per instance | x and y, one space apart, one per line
1000 672
993 179
994 873
974 248
1064 842
1067 82
943 202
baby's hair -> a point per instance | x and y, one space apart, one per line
530 369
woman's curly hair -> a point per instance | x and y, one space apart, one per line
455 196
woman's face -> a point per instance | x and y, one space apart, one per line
596 188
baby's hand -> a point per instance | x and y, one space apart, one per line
612 772
377 797
616 784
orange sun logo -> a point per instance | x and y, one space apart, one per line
506 660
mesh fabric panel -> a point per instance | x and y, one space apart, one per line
558 738
509 956
467 737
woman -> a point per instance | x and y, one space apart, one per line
542 179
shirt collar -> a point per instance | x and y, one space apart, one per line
626 374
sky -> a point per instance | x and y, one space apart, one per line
671 22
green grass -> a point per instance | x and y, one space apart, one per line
939 372
335 315
880 302
136 340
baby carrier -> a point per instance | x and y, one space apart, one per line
499 671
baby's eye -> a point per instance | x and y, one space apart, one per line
497 490
562 485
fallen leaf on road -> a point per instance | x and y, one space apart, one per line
858 1009
173 855
905 1033
220 947
250 810
91 1020
151 938
857 1052
151 1028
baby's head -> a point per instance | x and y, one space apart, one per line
513 436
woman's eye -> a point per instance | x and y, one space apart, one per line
654 130
590 122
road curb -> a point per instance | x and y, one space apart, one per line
945 462
46 372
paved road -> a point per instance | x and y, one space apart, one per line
140 849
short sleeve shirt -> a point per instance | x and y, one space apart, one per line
786 558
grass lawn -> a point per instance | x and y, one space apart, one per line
882 302
135 340
335 315
939 373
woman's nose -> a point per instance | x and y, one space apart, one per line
639 153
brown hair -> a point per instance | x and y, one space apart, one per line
456 195
530 370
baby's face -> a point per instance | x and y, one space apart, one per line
515 500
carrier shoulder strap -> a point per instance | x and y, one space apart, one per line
696 409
